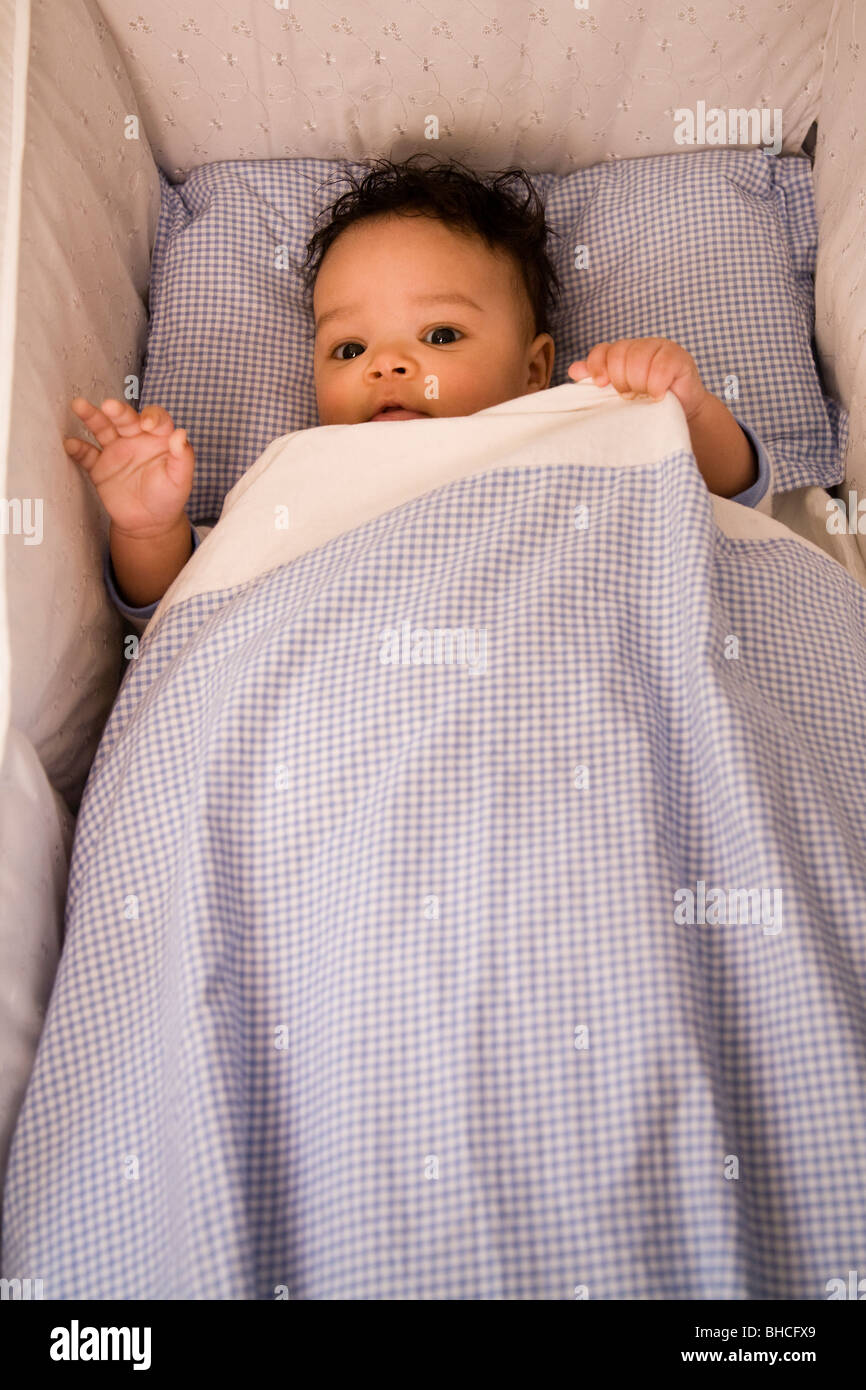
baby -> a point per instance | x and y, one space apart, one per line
419 276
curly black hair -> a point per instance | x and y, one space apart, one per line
457 196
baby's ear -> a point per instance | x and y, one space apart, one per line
541 366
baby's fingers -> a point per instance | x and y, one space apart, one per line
178 443
128 422
95 420
596 362
155 420
85 454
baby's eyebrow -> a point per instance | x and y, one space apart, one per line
440 297
447 297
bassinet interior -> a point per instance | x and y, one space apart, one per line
105 108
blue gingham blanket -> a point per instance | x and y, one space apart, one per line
472 907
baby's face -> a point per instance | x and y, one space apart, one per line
385 286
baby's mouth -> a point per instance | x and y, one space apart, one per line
395 413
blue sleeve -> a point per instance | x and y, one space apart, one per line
145 613
755 492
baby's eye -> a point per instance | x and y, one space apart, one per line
342 345
445 329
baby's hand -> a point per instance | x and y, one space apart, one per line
645 365
143 472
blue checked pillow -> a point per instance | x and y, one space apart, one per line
714 249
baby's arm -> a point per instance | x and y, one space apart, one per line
145 566
724 454
143 475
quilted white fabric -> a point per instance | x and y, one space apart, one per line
36 831
80 204
554 87
840 200
88 214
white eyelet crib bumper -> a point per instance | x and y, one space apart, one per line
469 951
